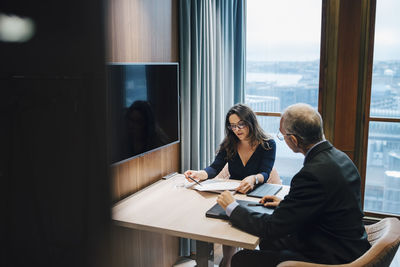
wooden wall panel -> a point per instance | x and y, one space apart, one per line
126 247
143 31
328 66
131 176
137 248
347 75
141 248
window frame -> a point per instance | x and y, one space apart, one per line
329 100
365 87
332 7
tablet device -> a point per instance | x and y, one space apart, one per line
217 211
264 190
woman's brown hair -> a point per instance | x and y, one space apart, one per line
256 133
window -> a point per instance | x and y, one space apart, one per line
283 55
382 186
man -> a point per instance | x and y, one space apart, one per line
320 220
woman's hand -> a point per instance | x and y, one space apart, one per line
224 199
270 201
246 185
197 175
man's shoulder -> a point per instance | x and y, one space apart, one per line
327 161
331 168
326 153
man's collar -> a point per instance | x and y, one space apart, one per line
312 147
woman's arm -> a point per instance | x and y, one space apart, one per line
274 177
217 165
267 162
262 174
224 173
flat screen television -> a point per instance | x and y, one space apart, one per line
143 107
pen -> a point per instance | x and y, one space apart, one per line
194 180
278 190
255 204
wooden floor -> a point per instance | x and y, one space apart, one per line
187 262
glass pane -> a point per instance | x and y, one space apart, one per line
283 51
287 163
382 188
385 91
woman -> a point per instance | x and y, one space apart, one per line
143 131
249 152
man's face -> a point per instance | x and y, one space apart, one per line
290 140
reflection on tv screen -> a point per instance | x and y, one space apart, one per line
144 108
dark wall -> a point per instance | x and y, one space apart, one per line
53 137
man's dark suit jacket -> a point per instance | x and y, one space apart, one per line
321 217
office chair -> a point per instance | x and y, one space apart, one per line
384 237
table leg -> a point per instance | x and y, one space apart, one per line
204 254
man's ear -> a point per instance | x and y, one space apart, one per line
294 140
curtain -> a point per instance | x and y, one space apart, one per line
212 68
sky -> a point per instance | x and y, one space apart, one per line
387 30
295 34
290 35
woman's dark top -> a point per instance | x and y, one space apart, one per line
261 161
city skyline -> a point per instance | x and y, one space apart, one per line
273 85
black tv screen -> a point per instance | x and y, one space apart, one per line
144 107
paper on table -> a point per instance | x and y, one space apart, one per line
217 186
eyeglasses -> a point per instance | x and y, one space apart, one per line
281 136
240 125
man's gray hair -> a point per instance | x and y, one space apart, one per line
303 121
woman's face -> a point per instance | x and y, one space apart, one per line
235 124
136 123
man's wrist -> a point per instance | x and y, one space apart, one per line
231 207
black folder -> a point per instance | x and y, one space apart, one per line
218 212
264 190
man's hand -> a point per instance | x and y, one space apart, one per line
224 199
270 201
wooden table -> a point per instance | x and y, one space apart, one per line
169 208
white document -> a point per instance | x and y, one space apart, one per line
217 185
